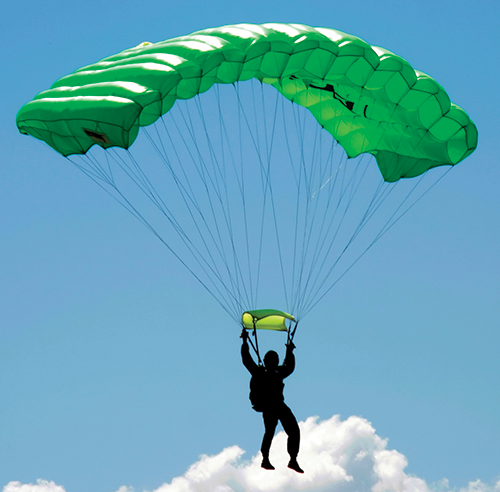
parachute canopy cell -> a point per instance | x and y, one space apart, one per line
265 319
369 99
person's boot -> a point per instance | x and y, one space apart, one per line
266 464
295 466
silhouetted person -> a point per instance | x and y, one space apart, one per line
266 395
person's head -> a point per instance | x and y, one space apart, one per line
271 360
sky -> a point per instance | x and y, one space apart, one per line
119 372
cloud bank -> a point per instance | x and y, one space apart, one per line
337 456
40 486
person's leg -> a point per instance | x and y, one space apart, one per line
270 423
291 427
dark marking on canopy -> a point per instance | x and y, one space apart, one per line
329 87
97 137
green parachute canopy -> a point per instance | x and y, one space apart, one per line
369 99
265 319
248 191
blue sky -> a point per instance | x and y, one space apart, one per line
118 369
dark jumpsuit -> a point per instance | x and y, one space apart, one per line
274 408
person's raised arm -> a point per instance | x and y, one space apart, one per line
246 358
289 362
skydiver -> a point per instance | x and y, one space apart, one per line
266 396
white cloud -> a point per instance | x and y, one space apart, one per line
40 486
478 486
337 456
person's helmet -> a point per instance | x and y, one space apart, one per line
271 360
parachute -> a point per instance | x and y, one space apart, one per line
271 203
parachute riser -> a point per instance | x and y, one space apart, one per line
290 336
290 332
249 323
256 346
